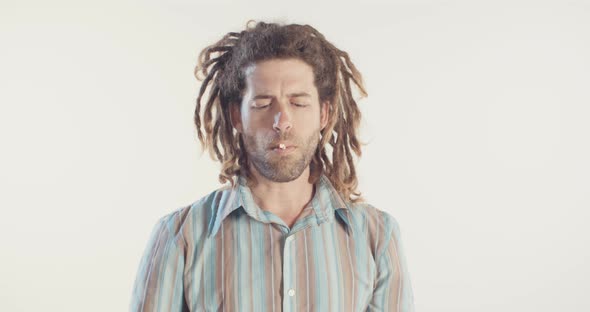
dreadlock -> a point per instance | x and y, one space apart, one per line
221 70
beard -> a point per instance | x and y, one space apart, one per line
276 167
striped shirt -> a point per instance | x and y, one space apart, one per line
224 253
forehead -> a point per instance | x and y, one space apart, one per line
277 73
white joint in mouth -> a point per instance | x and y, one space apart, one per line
282 146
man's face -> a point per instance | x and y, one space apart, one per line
280 105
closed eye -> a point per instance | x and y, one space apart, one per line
299 105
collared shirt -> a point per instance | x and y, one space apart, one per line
224 253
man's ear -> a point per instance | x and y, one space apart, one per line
236 116
324 112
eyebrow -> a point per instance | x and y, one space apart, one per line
268 96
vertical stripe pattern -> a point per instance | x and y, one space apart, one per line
224 253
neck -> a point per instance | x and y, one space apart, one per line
284 199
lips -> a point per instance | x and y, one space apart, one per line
277 145
283 152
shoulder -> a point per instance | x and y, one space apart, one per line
373 215
194 217
378 226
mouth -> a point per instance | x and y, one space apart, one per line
283 148
281 145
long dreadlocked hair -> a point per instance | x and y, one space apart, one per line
221 70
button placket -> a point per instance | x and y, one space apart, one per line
288 275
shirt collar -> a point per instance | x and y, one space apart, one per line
326 203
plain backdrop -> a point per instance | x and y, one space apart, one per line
476 124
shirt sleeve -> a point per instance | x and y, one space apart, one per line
159 284
393 289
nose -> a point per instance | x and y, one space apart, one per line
282 122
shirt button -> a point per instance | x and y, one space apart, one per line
291 292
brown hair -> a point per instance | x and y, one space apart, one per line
222 68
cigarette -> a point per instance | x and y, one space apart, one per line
282 146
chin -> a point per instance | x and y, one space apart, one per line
282 176
284 179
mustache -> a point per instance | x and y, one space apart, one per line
282 137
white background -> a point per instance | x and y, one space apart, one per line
477 124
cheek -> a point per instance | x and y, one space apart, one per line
308 119
256 128
256 120
258 137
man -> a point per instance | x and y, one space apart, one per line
290 232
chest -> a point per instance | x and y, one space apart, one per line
257 267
